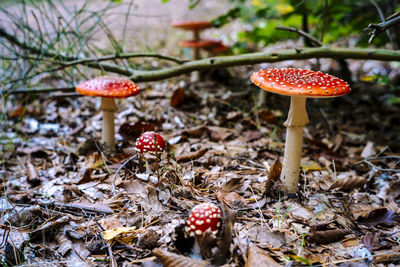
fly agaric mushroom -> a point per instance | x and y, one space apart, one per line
108 88
196 27
299 84
203 218
150 142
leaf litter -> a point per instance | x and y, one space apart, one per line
59 205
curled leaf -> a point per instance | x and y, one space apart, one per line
349 183
169 259
259 257
327 236
380 216
122 234
191 156
274 174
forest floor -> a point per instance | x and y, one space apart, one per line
58 205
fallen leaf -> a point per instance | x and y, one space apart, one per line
177 98
265 239
122 234
252 135
195 132
234 199
327 236
370 240
258 257
169 259
131 132
110 223
309 165
379 216
348 182
387 255
191 156
219 133
368 150
268 116
273 175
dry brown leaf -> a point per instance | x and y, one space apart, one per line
327 236
110 223
191 156
177 98
195 132
380 216
234 199
266 239
131 132
258 257
219 133
371 241
273 175
33 176
252 135
386 255
268 116
349 182
169 259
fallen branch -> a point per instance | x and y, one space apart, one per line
246 59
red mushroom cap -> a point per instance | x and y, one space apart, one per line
198 44
203 217
150 142
192 25
108 86
300 82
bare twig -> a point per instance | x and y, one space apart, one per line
119 169
383 26
315 41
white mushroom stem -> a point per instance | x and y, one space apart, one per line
108 107
297 119
195 76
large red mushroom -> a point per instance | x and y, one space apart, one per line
299 84
108 88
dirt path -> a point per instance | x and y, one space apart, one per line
149 21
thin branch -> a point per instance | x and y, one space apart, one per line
248 59
383 26
315 41
123 56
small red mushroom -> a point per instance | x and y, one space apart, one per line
150 142
108 88
203 217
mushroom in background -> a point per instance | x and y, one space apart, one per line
299 84
196 43
108 88
196 27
